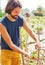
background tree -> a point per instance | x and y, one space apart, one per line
39 11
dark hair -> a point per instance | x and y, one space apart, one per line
11 5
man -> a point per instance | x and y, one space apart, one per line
10 38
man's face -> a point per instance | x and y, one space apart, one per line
15 12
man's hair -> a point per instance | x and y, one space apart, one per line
11 5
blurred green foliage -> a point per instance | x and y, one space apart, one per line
2 14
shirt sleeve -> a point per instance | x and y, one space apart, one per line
21 21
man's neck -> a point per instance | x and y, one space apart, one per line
10 18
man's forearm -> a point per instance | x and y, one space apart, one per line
15 48
31 33
33 36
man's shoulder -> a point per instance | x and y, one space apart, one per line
20 17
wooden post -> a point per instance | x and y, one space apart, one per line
39 41
21 45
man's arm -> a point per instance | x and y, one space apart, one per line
30 32
8 40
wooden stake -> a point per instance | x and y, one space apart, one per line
21 45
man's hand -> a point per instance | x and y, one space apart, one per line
26 54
